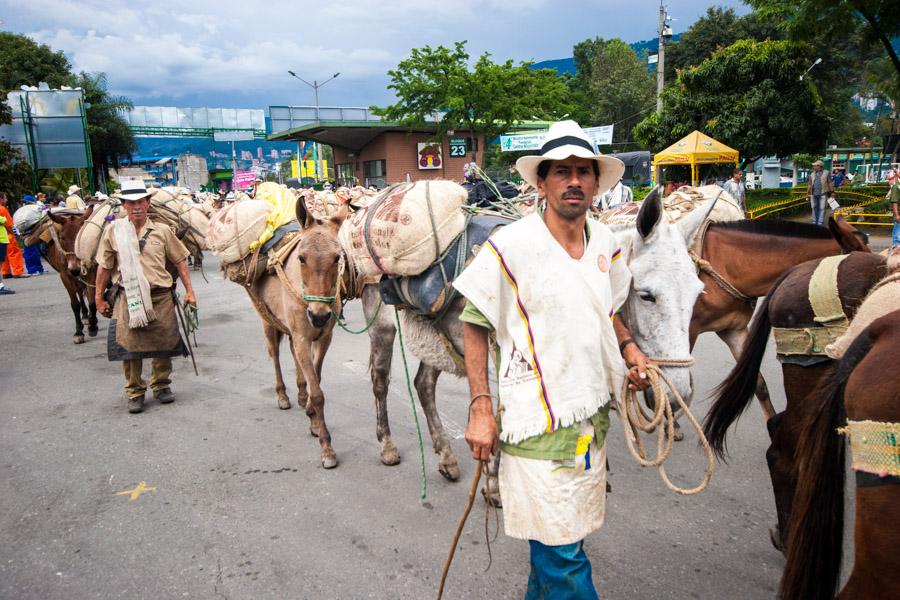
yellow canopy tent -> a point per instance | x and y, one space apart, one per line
694 149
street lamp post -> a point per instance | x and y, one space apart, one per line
315 85
818 61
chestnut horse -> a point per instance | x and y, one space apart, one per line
63 228
298 303
739 262
863 386
787 305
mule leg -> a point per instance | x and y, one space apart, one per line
426 381
316 402
303 394
735 340
92 312
75 303
273 341
491 489
381 352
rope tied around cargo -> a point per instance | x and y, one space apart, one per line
635 420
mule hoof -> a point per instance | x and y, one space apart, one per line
329 461
92 332
78 339
450 470
390 456
284 403
493 498
679 435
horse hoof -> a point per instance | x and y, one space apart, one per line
329 460
450 470
775 538
92 332
389 455
284 403
79 339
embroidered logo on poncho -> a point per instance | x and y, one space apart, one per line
603 263
518 369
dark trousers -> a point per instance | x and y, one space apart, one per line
559 573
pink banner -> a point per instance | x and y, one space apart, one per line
242 180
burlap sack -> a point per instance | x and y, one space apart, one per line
405 229
188 221
88 240
27 218
235 227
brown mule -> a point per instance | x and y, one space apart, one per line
787 305
79 285
862 385
299 303
750 256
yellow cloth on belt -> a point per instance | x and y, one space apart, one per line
284 205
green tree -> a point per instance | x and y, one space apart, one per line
611 86
488 98
750 97
26 62
879 20
111 138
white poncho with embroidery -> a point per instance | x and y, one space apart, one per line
553 320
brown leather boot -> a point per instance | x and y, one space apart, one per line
164 395
136 404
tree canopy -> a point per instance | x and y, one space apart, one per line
747 95
111 138
611 86
488 98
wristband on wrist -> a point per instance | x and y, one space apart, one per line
625 343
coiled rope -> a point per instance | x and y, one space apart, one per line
635 420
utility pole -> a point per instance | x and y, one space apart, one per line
660 57
315 85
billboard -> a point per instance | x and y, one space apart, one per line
48 127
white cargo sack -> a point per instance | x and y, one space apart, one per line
234 227
186 220
27 218
405 229
88 240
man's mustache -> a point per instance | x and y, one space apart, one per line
573 194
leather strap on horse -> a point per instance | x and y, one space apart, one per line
704 266
825 299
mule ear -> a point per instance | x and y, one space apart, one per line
848 237
338 218
650 213
59 219
305 217
88 212
689 225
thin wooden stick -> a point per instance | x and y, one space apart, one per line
459 528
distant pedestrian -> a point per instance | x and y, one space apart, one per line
13 261
819 188
32 254
735 187
895 208
838 177
4 241
74 200
617 196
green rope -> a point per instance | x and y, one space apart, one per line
412 401
343 324
326 299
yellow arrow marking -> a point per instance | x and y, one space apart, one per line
136 492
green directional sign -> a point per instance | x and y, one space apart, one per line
458 147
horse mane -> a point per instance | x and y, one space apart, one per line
777 228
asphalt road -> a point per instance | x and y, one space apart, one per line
238 505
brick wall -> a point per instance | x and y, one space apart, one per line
400 151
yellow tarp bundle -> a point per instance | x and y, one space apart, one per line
694 149
283 203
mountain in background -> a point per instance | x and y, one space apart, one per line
564 66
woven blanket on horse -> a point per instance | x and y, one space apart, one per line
430 292
248 270
678 204
405 229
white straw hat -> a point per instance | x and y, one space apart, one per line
565 139
132 190
73 189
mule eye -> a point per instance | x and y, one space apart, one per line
647 296
302 260
337 259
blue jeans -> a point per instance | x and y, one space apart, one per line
895 235
559 573
818 209
33 259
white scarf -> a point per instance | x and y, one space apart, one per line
551 313
137 288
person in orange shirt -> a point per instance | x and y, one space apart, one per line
14 265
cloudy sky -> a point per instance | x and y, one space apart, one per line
236 53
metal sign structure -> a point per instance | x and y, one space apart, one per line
600 136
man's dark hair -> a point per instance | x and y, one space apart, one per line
735 171
544 168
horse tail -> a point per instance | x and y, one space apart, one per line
815 534
734 394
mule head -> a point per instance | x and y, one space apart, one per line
67 232
848 237
665 286
321 259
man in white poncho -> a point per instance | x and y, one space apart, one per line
549 287
135 253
